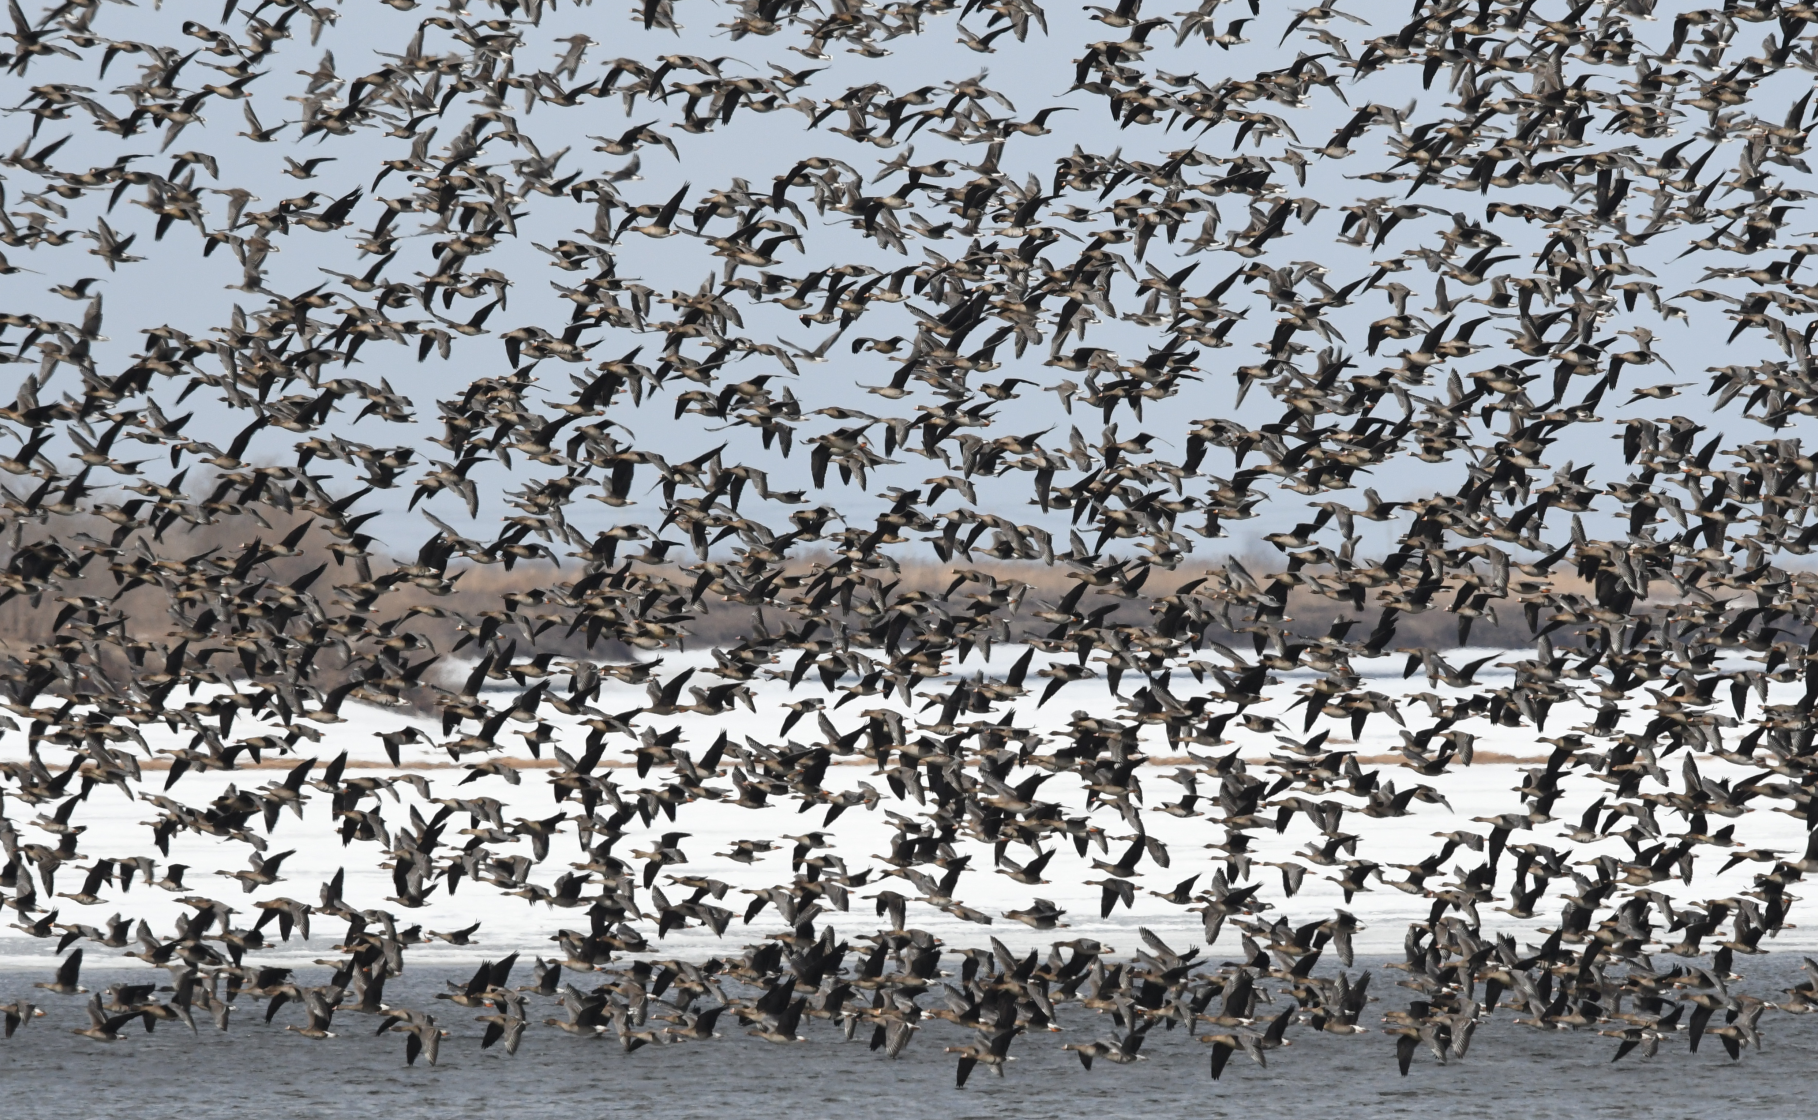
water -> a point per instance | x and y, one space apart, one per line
255 1068
48 1072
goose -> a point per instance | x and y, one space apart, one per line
422 1037
65 984
321 1015
15 1014
101 1026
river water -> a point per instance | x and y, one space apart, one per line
1510 1072
263 1070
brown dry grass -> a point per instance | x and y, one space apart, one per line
479 588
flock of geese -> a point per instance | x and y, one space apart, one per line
1526 195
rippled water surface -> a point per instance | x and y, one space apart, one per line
264 1071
